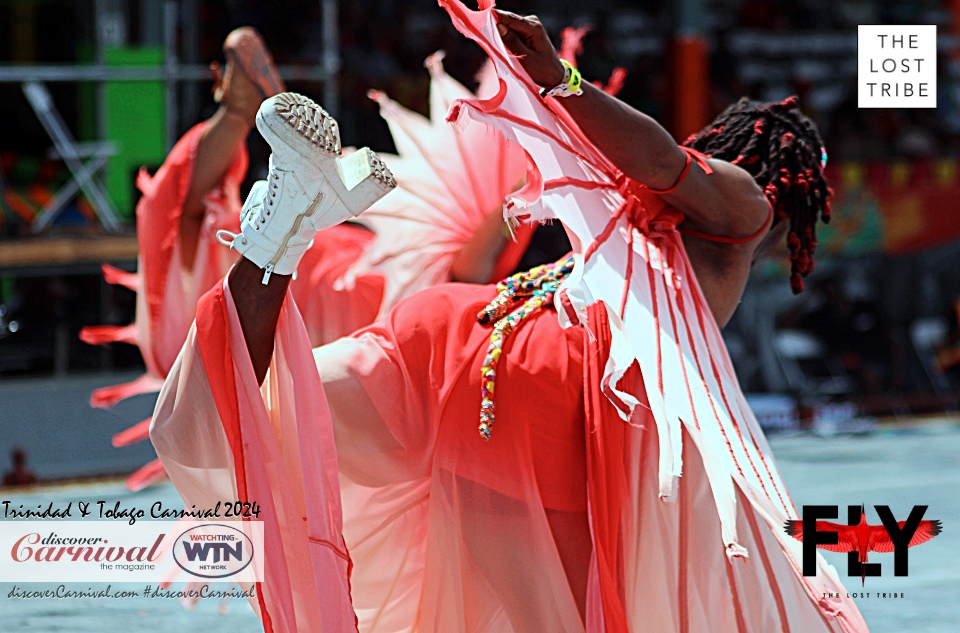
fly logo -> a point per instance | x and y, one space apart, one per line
213 551
858 538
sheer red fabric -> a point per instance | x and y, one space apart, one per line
448 532
165 297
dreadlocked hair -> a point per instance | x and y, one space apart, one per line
781 149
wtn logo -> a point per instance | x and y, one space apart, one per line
220 550
858 538
213 551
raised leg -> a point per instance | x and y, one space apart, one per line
258 308
249 78
226 131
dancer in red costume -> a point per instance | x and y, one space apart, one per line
193 194
441 224
573 515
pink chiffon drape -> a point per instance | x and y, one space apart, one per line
444 531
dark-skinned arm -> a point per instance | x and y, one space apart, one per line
728 202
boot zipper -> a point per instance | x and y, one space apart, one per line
268 269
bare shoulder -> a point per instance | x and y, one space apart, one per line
726 203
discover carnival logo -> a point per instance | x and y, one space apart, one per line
53 548
116 551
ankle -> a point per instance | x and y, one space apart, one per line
237 117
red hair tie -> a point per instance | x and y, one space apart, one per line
796 283
771 192
793 243
790 103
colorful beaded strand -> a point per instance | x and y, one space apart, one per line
537 288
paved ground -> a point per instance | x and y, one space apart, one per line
37 409
899 468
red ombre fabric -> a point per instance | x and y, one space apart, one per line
446 532
634 264
166 297
449 180
265 446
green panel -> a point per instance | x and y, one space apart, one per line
136 122
86 98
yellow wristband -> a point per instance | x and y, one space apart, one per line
571 84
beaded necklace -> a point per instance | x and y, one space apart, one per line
535 288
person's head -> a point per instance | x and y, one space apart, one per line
19 457
781 148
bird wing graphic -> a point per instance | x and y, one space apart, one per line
881 542
846 536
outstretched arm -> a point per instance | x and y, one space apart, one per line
725 203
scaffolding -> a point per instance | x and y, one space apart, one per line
174 71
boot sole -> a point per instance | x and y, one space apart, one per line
303 126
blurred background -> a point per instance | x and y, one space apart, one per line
857 380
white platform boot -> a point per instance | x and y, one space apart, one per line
310 186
